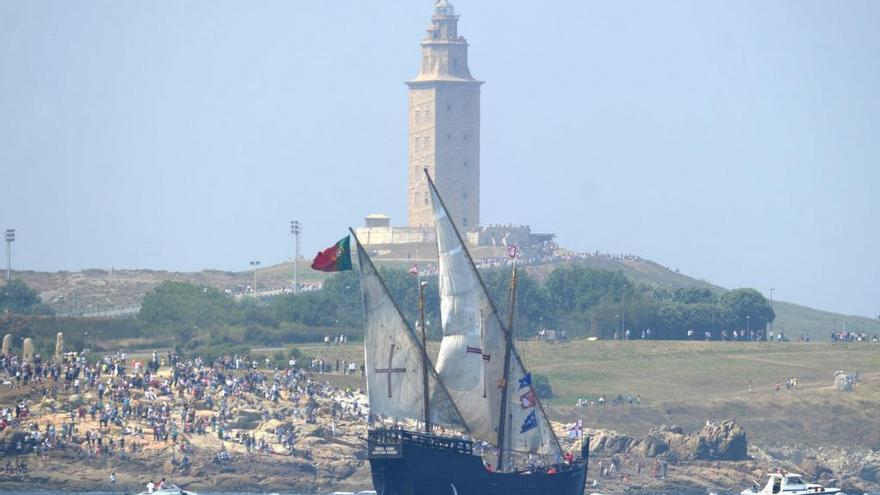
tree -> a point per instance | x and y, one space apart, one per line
542 386
531 300
184 308
578 296
694 295
747 308
17 297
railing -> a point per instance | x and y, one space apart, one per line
385 437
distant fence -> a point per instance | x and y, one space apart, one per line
129 311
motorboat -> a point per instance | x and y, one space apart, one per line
169 490
790 484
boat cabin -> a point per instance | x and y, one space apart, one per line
779 483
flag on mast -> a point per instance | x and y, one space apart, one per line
335 258
575 430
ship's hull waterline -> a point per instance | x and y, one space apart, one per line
408 463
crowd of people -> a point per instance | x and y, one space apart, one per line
614 468
845 336
602 401
117 406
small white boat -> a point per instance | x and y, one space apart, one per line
790 484
169 490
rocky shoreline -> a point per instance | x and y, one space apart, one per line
694 462
249 451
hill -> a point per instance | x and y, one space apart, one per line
120 292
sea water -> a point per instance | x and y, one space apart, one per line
122 492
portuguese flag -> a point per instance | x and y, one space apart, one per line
335 258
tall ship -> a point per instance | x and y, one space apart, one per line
472 425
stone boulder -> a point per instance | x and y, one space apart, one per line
10 440
610 443
870 472
653 446
722 442
247 419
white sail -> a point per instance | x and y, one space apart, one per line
471 352
475 384
393 358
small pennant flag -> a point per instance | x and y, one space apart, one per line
487 357
574 429
414 270
528 399
530 422
511 251
525 381
335 258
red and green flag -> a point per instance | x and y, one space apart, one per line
335 258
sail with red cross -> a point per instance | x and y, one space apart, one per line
393 358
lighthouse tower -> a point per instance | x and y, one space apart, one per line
444 126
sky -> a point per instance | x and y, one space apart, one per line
738 142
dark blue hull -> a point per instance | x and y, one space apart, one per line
408 463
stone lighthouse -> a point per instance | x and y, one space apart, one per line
444 126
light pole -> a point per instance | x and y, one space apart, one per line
10 238
296 230
254 265
771 307
749 326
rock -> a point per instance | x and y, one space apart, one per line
814 470
653 446
725 441
10 440
247 419
678 430
610 443
870 472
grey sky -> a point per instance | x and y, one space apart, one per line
737 141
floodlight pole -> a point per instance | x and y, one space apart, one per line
771 307
10 238
296 230
255 264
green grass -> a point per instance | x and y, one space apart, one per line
687 382
660 371
665 370
794 319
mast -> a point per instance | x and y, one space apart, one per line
426 393
502 426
